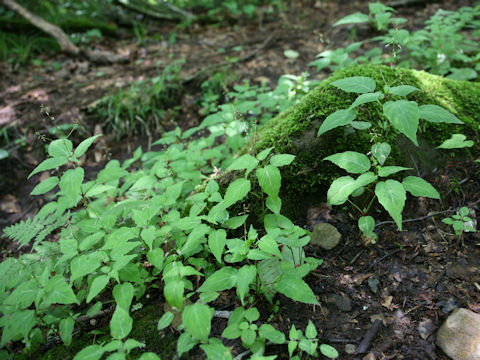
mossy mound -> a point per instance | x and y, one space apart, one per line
295 130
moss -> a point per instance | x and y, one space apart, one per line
295 130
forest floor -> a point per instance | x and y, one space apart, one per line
387 298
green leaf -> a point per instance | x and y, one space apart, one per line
236 221
366 224
340 190
295 288
262 155
381 151
149 356
268 244
246 275
248 336
45 186
437 114
60 148
246 161
220 280
185 343
48 164
462 73
92 352
391 195
338 118
419 187
123 295
281 159
351 161
156 257
197 319
121 323
402 90
97 286
165 320
70 184
355 84
236 191
367 98
17 324
403 115
329 351
173 291
4 154
361 125
274 204
66 330
268 332
59 292
216 243
84 145
23 295
216 350
389 170
269 179
457 141
354 18
310 331
84 265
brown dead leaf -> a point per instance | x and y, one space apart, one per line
361 278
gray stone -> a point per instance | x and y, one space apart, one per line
326 236
459 336
342 303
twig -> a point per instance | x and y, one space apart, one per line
367 339
355 258
384 257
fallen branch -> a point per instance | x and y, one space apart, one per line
160 11
369 336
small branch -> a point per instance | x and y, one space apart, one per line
369 336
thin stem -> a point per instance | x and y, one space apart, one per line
355 206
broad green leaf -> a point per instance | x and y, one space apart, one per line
340 190
197 319
329 351
91 352
437 114
246 275
457 141
338 118
187 223
236 221
216 350
66 330
23 295
295 288
273 221
84 265
463 73
281 159
220 280
310 331
70 184
354 18
45 186
121 323
389 170
355 84
123 295
16 324
351 161
248 336
165 320
97 286
262 155
173 291
149 356
270 180
216 243
156 257
274 204
361 125
367 98
391 195
185 343
381 151
246 161
236 191
402 90
268 244
60 148
268 332
195 240
364 180
59 292
84 145
419 187
49 164
366 224
403 115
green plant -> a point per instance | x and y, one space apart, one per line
401 115
380 17
460 222
308 343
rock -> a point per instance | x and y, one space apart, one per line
325 236
342 303
459 336
350 349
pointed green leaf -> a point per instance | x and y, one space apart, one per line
197 319
310 331
338 118
84 145
236 221
216 350
216 243
97 286
381 151
268 332
366 224
419 187
246 161
121 323
246 276
23 295
262 155
403 115
281 159
274 204
268 244
236 191
174 293
220 280
156 257
45 186
329 351
49 164
66 330
123 295
402 90
340 190
354 18
59 292
355 84
70 184
457 141
165 320
391 195
367 98
389 170
351 161
295 288
269 179
437 114
84 265
60 148
91 352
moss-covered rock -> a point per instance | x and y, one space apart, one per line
295 130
